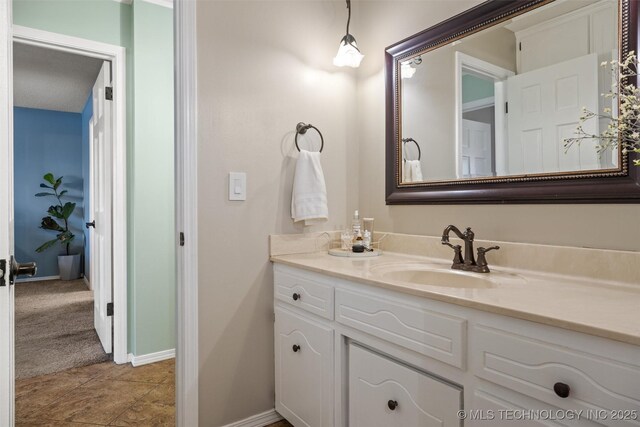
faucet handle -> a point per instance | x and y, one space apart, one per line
482 259
457 256
482 250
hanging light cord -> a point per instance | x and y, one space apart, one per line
349 16
349 39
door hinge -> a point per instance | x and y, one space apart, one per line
3 270
520 46
108 93
109 309
506 108
181 239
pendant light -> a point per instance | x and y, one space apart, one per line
348 53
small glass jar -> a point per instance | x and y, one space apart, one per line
346 238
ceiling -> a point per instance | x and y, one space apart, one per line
52 80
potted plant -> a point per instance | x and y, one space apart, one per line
58 221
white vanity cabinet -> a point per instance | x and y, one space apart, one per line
370 356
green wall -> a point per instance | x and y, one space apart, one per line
150 243
474 88
153 271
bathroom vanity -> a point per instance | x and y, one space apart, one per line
402 340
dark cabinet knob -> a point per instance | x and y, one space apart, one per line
90 224
392 404
296 348
296 297
562 390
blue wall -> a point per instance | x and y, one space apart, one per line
45 141
87 112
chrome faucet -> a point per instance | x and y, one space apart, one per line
468 263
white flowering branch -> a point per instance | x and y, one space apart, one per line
622 129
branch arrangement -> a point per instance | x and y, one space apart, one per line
623 124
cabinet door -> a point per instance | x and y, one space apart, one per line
383 393
304 370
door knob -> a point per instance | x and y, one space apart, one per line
90 224
16 269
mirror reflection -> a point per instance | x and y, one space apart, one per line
501 102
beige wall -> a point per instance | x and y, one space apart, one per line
263 67
385 22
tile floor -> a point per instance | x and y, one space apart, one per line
105 394
102 394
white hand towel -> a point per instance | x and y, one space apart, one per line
406 172
416 170
412 171
309 198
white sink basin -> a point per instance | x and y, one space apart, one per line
440 276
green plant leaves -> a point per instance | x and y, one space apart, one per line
59 211
49 223
49 178
46 245
66 237
68 209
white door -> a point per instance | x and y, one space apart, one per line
545 107
100 207
6 215
475 151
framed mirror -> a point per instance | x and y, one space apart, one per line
479 108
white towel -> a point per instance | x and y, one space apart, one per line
309 198
412 171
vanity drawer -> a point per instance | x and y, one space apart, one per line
433 334
305 293
535 367
385 393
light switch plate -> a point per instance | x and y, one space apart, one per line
237 186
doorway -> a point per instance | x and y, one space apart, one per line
54 161
99 232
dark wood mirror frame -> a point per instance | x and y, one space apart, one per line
620 187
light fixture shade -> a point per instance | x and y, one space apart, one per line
406 70
348 53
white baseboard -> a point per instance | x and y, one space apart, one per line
145 359
86 282
37 279
258 420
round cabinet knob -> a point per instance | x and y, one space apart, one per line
296 348
562 390
296 296
392 404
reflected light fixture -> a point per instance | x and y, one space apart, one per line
407 70
348 53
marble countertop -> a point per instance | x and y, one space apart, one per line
605 309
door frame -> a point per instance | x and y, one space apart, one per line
7 362
497 73
116 55
186 196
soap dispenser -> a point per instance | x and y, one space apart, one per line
356 225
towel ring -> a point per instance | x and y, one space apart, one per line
405 140
302 128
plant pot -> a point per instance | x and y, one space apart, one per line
69 266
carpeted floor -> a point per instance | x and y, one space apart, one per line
54 328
